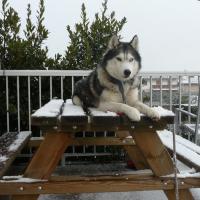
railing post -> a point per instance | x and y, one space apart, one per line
161 94
18 105
7 105
29 103
151 91
198 114
170 92
180 99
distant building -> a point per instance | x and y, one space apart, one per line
158 84
190 84
165 85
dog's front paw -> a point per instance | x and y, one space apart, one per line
153 114
133 114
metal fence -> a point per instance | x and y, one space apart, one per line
167 89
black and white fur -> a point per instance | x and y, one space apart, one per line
113 85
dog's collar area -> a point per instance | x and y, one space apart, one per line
119 83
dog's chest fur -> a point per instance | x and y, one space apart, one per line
111 91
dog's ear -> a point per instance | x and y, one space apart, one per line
113 42
134 42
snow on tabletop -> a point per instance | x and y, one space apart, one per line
19 179
163 112
129 137
51 109
96 112
17 142
78 109
181 149
72 110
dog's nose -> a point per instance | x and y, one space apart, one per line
127 73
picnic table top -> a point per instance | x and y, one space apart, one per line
60 114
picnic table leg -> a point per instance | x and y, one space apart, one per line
157 156
133 152
46 159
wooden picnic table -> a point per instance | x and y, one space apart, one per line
59 121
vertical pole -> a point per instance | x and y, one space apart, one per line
29 103
72 84
95 147
83 145
175 166
180 102
189 101
150 90
161 94
198 115
61 87
105 135
170 92
50 87
40 96
7 105
18 105
61 94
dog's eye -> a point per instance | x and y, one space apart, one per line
119 59
131 59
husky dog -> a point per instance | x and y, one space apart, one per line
113 85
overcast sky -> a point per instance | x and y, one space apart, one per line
168 30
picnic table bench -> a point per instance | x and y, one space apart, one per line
10 146
60 120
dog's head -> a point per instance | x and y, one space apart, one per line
122 59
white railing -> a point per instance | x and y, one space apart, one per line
160 87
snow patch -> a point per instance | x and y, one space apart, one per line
185 174
72 110
97 113
19 179
3 158
51 109
184 148
20 138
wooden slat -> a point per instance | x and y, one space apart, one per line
99 141
109 184
100 117
20 141
124 124
48 114
73 114
115 175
